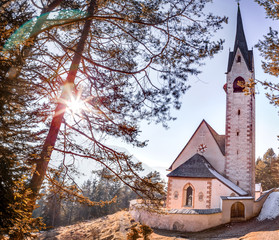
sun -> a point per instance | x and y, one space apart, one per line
75 104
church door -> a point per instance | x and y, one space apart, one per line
237 211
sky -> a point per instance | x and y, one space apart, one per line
206 98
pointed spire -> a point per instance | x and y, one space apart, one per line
240 42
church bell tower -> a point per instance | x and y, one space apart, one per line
240 115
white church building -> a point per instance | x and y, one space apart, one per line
212 180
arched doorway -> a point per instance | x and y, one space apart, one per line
238 211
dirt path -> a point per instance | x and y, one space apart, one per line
253 229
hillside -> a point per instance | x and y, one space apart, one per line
111 227
116 226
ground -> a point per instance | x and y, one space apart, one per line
116 226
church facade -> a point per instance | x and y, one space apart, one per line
211 165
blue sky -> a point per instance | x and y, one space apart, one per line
206 98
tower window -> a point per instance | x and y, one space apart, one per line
237 133
238 84
238 59
238 112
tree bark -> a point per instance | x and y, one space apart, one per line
68 88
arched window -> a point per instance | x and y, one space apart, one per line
237 84
238 59
189 197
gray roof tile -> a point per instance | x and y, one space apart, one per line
195 211
240 42
196 166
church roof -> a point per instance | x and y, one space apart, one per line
240 42
220 139
198 167
195 211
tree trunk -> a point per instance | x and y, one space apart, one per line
68 87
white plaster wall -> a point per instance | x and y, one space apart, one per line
194 222
212 154
218 190
257 195
180 222
200 185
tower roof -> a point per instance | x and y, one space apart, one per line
240 42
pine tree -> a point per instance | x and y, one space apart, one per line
17 130
111 80
269 50
106 66
267 170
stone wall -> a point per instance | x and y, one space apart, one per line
194 220
176 221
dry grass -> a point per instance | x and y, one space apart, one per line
116 226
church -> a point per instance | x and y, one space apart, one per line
212 180
211 165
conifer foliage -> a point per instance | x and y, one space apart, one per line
107 63
269 48
91 70
267 170
17 126
56 211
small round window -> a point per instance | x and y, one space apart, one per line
175 195
200 196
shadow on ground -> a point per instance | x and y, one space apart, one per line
252 229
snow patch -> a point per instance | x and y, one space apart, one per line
270 208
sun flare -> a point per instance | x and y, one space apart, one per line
74 105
